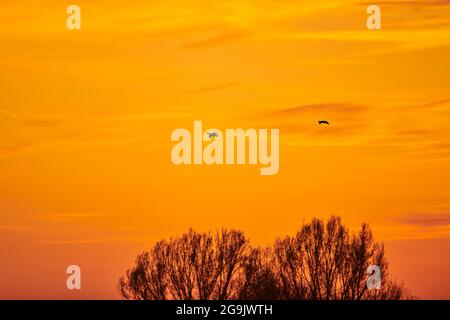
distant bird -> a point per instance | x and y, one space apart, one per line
213 135
323 122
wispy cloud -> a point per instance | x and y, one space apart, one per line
426 219
216 87
34 119
14 227
42 123
217 40
46 131
71 216
15 148
418 3
9 114
323 107
416 129
96 241
348 122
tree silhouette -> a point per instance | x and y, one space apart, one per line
194 266
323 261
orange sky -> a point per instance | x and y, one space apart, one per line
86 118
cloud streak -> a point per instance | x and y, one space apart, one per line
9 114
14 228
216 41
426 219
324 107
424 3
216 87
71 216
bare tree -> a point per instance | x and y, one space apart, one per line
193 266
323 261
257 280
147 280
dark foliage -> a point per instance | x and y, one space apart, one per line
323 261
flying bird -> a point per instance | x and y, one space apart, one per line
323 122
213 135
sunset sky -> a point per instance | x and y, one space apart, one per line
86 117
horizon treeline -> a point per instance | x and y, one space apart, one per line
323 261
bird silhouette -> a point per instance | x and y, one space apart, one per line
213 134
323 122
